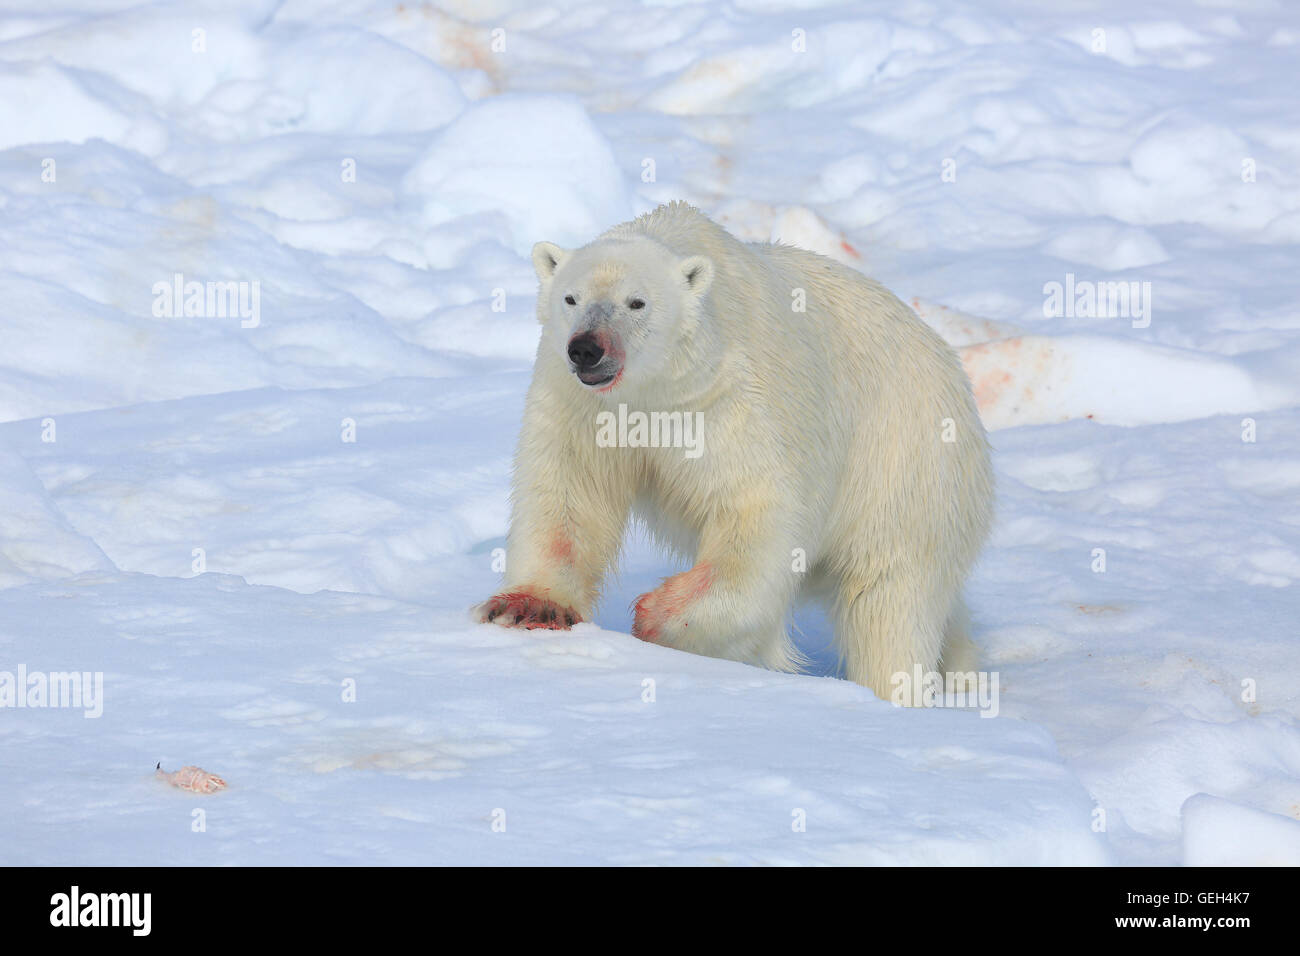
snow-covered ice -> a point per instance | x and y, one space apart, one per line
181 509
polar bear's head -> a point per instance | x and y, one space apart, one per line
616 309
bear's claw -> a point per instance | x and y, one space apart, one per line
526 610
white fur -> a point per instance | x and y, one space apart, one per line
823 431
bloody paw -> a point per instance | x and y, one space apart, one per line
664 609
523 609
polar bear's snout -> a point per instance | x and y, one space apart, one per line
595 358
585 352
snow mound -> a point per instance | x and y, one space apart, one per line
44 103
537 162
1037 380
1222 833
36 541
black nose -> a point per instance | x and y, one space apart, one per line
585 352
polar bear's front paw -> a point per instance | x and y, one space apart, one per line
525 609
661 616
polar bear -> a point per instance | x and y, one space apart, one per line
840 452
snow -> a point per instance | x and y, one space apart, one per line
537 162
1221 833
181 508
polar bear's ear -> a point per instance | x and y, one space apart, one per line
547 257
698 272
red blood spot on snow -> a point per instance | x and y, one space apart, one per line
986 366
194 779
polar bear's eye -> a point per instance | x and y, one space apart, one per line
635 304
570 300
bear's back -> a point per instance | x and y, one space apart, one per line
864 326
679 226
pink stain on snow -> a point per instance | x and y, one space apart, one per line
194 779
